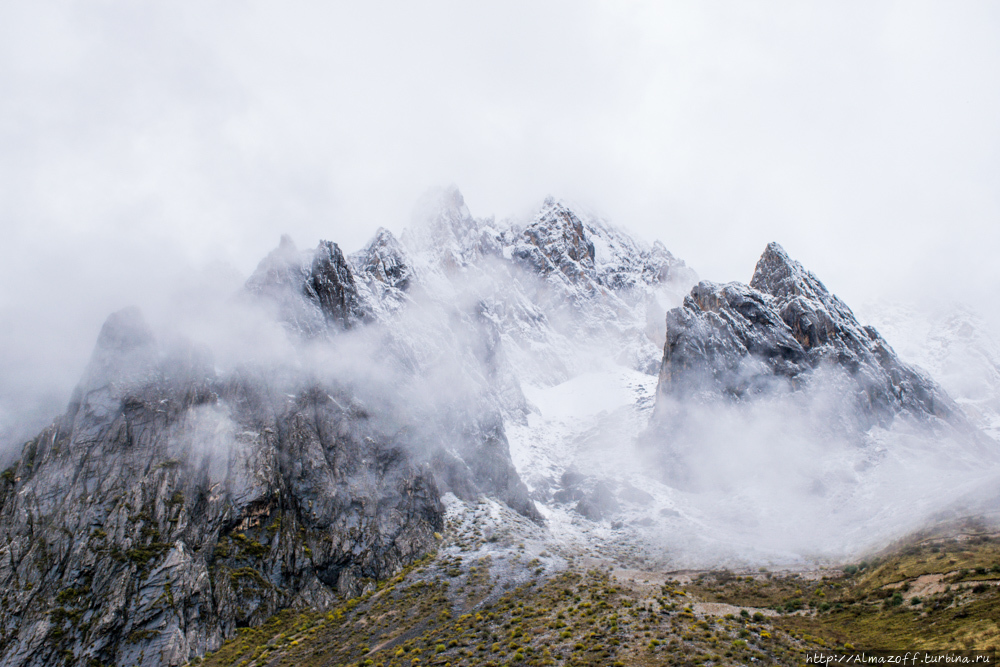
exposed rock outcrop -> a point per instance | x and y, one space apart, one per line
172 503
169 506
314 294
385 261
556 241
383 274
737 340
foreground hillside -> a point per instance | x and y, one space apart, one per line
934 591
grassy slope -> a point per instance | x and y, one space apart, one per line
939 592
440 614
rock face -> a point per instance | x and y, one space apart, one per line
383 274
174 502
168 507
737 340
313 293
385 261
589 254
556 241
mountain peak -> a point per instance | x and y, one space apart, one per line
437 203
559 233
124 355
551 204
382 237
331 285
440 220
281 268
779 275
311 290
124 331
787 325
384 259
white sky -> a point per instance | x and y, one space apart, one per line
140 142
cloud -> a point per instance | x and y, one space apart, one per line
139 143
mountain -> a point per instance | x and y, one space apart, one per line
170 506
779 431
550 388
954 345
175 502
739 340
312 292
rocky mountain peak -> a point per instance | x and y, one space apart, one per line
279 270
662 265
441 223
331 285
556 241
810 310
781 276
124 331
314 293
125 354
557 229
384 259
739 340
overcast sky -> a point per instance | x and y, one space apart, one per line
145 143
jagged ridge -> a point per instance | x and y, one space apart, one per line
169 506
739 340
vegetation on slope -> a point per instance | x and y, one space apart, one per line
935 592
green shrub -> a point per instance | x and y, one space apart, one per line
142 555
249 547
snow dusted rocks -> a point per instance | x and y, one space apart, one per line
314 293
175 501
591 254
556 241
955 346
384 260
737 340
170 506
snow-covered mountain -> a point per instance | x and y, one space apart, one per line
554 365
560 288
953 345
818 417
780 430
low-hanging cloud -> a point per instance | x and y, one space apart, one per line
782 479
140 143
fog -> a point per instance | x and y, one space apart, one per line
153 154
790 478
795 476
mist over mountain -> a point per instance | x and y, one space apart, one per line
952 344
307 435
